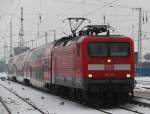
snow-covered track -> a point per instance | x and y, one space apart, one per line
5 106
103 111
140 101
94 106
145 102
142 98
131 108
35 107
99 109
135 111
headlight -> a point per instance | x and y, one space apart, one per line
90 75
109 60
128 75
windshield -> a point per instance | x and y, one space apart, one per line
108 49
98 49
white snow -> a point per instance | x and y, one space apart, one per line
143 84
52 104
144 110
2 109
143 78
15 104
48 103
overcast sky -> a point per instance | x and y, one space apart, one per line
119 14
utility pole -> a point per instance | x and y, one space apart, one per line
104 15
21 32
38 33
38 25
32 43
11 50
132 34
139 39
46 41
5 52
54 33
140 35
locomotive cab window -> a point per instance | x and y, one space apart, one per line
108 49
98 49
119 49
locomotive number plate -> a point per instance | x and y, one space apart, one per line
109 67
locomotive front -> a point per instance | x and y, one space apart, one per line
108 64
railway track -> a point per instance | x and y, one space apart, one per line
143 98
144 103
121 109
5 106
33 106
103 110
134 111
137 101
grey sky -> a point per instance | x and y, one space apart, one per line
54 11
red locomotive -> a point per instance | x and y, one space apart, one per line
80 66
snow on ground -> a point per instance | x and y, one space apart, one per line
143 84
143 78
2 109
118 111
52 104
15 104
142 88
142 110
45 101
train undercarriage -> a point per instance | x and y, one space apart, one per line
102 92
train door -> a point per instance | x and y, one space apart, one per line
46 69
50 68
53 69
74 66
14 72
78 80
24 70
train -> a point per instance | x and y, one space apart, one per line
83 66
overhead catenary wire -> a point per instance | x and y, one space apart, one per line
17 6
79 3
64 11
98 9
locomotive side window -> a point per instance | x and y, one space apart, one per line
98 49
119 49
